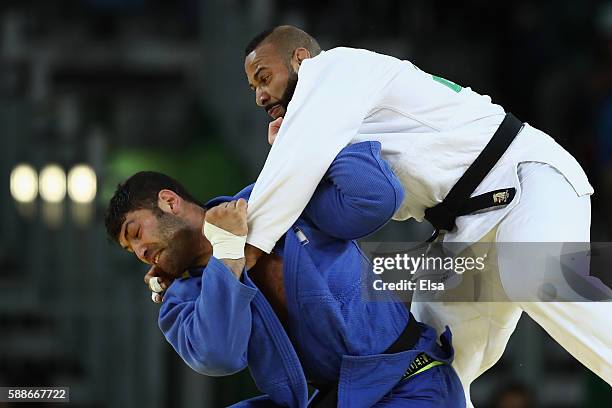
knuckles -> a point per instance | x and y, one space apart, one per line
229 216
231 211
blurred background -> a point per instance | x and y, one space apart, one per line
92 91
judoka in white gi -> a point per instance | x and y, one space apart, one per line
431 130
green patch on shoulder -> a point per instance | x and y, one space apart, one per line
455 87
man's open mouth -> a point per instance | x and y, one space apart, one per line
156 259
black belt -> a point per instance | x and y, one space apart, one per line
458 201
328 395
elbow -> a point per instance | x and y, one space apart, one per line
211 358
388 197
383 190
216 365
390 192
379 209
208 355
397 192
357 217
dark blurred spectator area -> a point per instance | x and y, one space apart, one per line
129 85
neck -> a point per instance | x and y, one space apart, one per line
204 251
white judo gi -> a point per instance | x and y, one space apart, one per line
431 130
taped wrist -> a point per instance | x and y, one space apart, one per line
225 244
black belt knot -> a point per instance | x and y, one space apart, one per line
441 217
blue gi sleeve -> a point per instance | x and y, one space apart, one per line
208 320
358 194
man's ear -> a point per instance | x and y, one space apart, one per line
169 201
299 55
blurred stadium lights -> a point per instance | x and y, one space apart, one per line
24 183
82 184
52 184
82 190
52 188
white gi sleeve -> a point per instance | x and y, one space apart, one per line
335 92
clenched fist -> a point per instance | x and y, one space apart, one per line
226 228
230 216
273 128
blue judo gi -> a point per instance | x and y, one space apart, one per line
220 325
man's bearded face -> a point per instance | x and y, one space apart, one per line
272 78
161 239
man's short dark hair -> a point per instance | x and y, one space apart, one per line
286 39
257 40
140 192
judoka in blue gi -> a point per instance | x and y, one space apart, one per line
297 316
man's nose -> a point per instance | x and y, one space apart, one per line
261 98
142 252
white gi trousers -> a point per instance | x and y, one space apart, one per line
549 210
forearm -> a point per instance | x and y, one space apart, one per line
286 184
228 240
235 265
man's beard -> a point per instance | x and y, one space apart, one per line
181 245
289 90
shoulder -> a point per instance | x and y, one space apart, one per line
348 55
344 60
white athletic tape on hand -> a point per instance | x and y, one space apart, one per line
154 285
225 244
154 297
